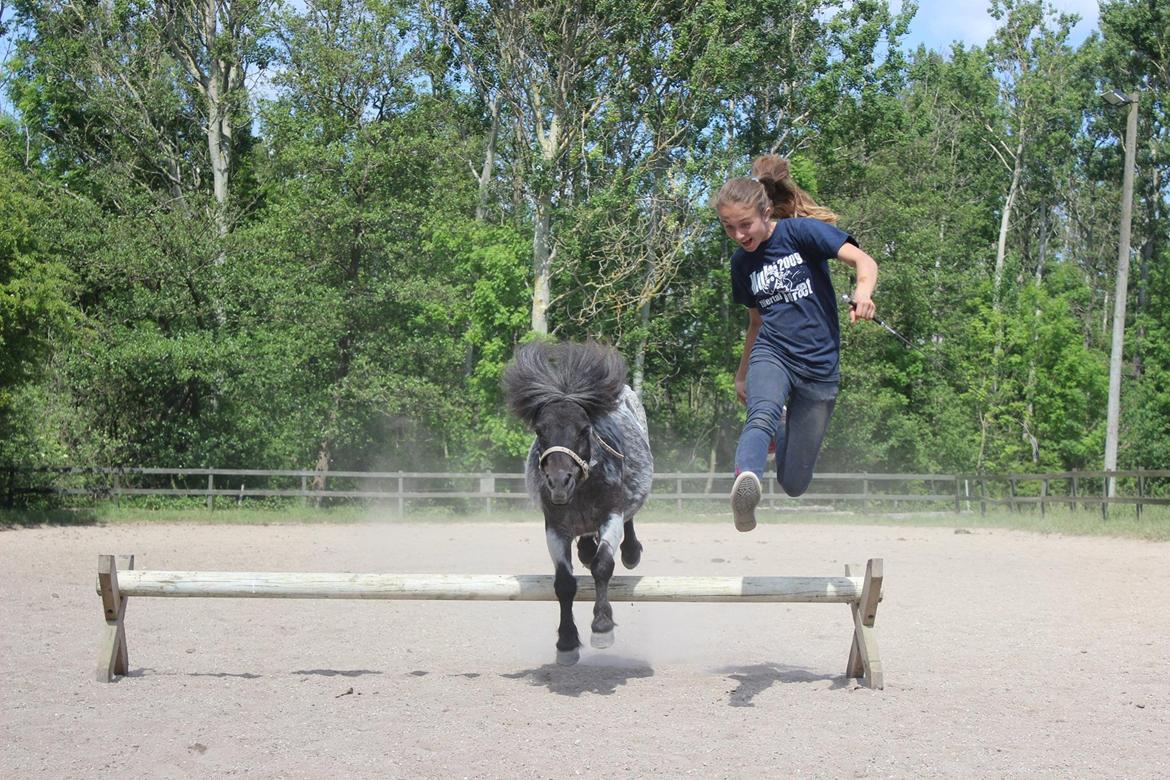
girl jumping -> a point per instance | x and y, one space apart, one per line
780 272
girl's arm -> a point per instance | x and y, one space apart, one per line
753 330
866 269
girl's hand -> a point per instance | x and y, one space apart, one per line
861 308
741 389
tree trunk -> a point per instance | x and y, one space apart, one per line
542 256
639 372
1005 222
1001 260
489 161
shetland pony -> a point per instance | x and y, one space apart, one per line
589 468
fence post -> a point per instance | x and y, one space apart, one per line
1105 496
117 491
210 492
487 485
1073 503
678 492
1011 494
958 495
401 500
864 492
304 490
982 496
1141 494
1043 494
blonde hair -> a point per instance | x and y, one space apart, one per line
771 190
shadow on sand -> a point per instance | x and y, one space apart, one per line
588 676
754 680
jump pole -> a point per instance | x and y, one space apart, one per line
859 588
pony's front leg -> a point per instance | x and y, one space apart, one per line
565 586
610 538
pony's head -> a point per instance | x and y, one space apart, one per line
564 440
558 390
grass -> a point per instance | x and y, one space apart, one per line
1154 524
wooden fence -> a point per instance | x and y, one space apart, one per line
863 492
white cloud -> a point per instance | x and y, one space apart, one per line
938 23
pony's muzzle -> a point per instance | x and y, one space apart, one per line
563 469
561 484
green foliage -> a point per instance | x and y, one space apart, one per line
35 308
354 300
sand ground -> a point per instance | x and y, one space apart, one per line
1006 654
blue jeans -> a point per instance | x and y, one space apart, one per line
770 387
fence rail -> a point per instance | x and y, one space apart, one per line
957 492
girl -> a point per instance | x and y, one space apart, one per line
790 357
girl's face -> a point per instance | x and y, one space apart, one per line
745 225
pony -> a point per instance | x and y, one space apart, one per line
589 468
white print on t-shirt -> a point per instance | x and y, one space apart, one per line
786 279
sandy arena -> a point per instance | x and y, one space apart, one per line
1005 655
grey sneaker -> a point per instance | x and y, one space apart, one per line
745 497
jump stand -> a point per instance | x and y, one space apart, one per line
861 590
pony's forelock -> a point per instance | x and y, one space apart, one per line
590 375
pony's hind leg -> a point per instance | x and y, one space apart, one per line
610 539
631 547
565 586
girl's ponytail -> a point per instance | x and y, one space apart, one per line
788 199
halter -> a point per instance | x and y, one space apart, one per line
578 459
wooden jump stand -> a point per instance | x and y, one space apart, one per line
860 589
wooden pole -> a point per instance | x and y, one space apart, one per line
863 655
113 658
861 593
483 587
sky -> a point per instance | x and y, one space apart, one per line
939 23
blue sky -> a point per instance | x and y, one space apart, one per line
938 23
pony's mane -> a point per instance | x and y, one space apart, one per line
590 374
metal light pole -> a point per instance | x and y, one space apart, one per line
1113 413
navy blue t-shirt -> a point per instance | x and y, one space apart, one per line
787 279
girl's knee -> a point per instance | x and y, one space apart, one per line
795 484
764 416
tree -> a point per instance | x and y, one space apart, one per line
34 298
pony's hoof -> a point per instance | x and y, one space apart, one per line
568 657
632 556
601 640
586 549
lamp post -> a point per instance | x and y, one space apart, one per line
1113 413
